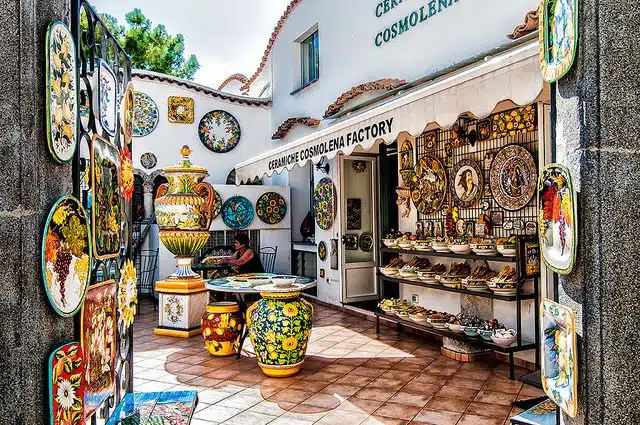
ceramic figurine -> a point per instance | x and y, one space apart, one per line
221 327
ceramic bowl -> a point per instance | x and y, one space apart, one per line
454 328
408 273
405 245
281 280
440 247
402 314
388 271
471 331
460 249
504 338
390 243
486 334
485 251
507 252
418 318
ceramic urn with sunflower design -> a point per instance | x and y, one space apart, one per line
279 328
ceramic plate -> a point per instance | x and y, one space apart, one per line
429 185
105 195
145 115
66 383
237 212
558 38
99 344
219 131
128 102
513 177
322 250
66 256
148 160
467 182
62 92
559 356
107 95
557 218
324 203
181 110
271 208
366 242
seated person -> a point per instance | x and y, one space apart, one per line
245 258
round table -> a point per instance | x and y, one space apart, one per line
278 323
205 268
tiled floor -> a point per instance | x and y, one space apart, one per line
351 376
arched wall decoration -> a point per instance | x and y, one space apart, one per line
530 24
289 123
383 84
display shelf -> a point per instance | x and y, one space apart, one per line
450 255
523 296
475 342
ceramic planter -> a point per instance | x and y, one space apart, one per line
184 212
221 327
279 328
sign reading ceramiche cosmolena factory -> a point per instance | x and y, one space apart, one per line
428 10
341 141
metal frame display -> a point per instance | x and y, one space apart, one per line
94 42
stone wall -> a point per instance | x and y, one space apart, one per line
30 182
597 134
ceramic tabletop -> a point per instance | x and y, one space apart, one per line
227 284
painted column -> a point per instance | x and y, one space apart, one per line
30 182
597 136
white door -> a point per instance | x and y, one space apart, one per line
358 228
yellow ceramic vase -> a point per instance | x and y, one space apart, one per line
221 328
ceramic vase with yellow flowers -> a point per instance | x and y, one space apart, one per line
279 328
183 209
221 327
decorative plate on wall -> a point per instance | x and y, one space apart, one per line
322 251
128 102
66 256
217 206
126 174
237 212
105 198
145 115
366 242
271 208
324 203
219 131
62 92
513 177
107 105
127 293
98 330
66 380
181 110
558 37
351 242
559 356
354 214
467 182
148 160
557 219
429 185
514 121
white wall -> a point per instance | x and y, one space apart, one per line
166 140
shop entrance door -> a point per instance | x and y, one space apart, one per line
358 229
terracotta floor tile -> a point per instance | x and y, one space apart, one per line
375 394
222 374
389 384
248 417
479 420
502 385
436 417
341 390
455 392
291 396
400 375
307 385
495 398
528 390
430 378
355 404
448 404
238 401
369 372
212 396
398 411
217 413
381 420
326 401
324 377
381 363
420 388
488 409
411 399
308 411
355 362
338 368
343 418
355 380
472 384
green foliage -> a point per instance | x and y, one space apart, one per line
152 48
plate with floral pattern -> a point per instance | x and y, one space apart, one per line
62 93
513 177
219 131
128 102
237 212
145 115
324 203
107 95
66 256
271 208
428 185
67 385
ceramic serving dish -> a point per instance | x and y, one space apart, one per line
471 331
485 251
390 243
408 274
423 246
418 318
507 251
405 244
486 334
388 271
454 328
440 247
504 338
459 249
283 280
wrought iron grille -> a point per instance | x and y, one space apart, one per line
482 152
94 41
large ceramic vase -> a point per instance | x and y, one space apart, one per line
184 212
221 328
279 328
